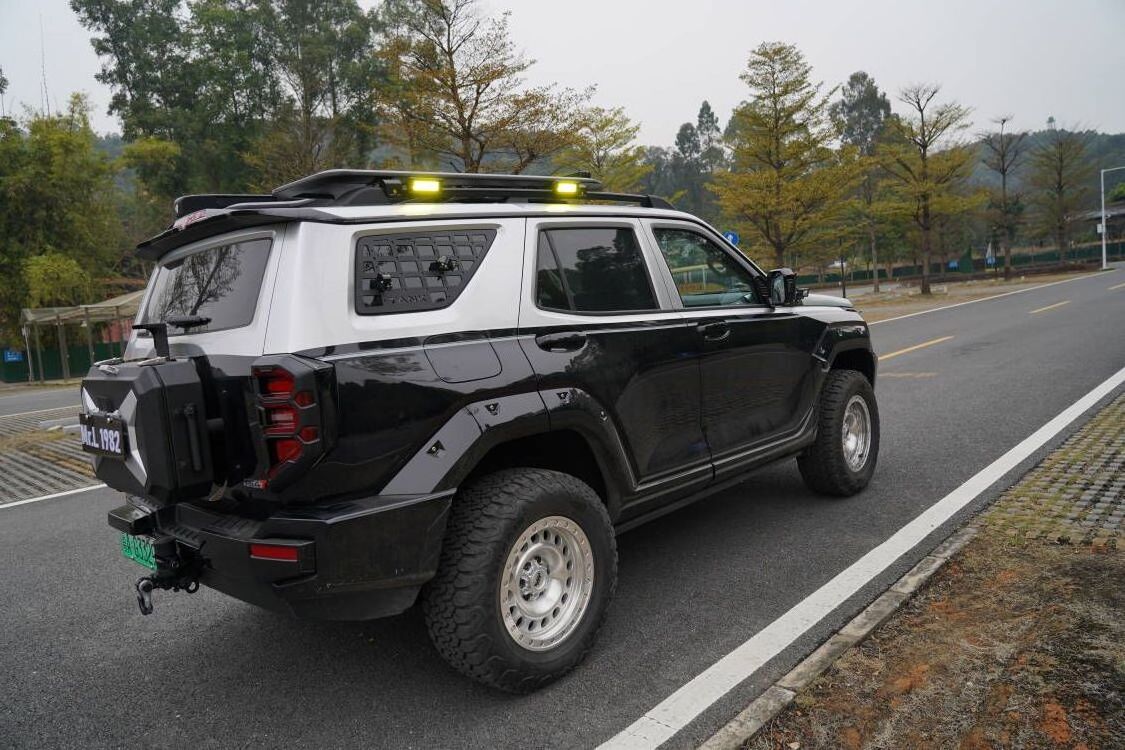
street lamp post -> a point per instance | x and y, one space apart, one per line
1105 229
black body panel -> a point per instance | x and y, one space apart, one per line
759 380
643 376
360 559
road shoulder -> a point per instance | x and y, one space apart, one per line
1016 639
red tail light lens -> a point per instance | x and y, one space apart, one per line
286 449
274 381
274 552
296 414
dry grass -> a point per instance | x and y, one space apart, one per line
1018 642
1010 646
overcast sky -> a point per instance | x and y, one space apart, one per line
660 59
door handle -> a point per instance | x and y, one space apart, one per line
570 341
718 331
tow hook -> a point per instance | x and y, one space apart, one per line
146 584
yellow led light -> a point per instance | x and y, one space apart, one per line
566 187
424 185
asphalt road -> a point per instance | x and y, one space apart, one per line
20 401
81 667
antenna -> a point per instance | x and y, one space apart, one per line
43 68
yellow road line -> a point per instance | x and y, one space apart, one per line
923 345
1049 307
1116 286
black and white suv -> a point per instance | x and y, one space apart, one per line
373 387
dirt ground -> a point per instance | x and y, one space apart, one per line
906 300
1018 642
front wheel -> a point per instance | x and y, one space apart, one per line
842 459
526 574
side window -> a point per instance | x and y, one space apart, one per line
416 271
705 275
594 269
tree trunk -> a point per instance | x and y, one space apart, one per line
1007 260
874 259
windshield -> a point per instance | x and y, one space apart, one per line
220 283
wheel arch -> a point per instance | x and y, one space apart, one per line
565 450
858 358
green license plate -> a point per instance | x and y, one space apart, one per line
139 550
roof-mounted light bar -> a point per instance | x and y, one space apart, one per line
567 188
424 186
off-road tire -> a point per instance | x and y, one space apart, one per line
461 604
823 465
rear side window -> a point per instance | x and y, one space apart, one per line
596 269
417 270
221 283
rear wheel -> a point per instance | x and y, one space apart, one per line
527 571
842 459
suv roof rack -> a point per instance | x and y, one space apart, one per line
357 187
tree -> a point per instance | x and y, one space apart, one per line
861 115
926 162
710 138
3 89
251 91
323 57
1003 154
55 280
57 196
457 94
786 181
1060 175
606 149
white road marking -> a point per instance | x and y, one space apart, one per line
52 496
1049 307
39 411
40 391
986 299
682 707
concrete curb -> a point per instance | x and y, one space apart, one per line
769 704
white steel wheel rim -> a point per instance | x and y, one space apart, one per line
856 433
546 583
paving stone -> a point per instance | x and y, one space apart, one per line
1077 495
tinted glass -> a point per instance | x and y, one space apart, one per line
220 283
549 289
705 275
602 269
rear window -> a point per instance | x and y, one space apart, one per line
221 283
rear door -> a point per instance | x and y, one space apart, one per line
614 358
757 373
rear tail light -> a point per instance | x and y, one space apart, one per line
283 552
296 413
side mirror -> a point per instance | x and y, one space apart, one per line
782 283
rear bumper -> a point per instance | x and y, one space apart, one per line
355 560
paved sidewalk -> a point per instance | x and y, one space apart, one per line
1017 642
35 461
